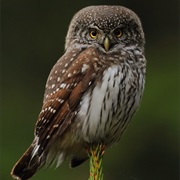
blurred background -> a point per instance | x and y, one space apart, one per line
32 39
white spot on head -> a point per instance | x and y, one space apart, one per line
58 79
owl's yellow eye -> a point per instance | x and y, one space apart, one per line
118 33
93 33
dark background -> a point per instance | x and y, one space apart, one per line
32 39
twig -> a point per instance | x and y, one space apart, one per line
96 153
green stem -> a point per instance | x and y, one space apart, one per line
96 153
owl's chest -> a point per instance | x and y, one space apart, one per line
104 108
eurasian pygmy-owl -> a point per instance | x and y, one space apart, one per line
92 91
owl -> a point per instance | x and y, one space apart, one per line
92 91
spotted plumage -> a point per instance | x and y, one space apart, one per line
92 91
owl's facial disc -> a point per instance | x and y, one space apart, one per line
106 38
111 38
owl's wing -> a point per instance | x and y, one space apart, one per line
71 76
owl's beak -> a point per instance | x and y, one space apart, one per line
106 43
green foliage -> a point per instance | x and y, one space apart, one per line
96 153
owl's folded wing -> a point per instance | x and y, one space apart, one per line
68 81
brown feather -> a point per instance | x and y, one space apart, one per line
51 126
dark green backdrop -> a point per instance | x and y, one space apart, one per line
33 33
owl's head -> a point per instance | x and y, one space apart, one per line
108 28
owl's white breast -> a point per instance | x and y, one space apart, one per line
101 109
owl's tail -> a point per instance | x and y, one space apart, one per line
27 165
